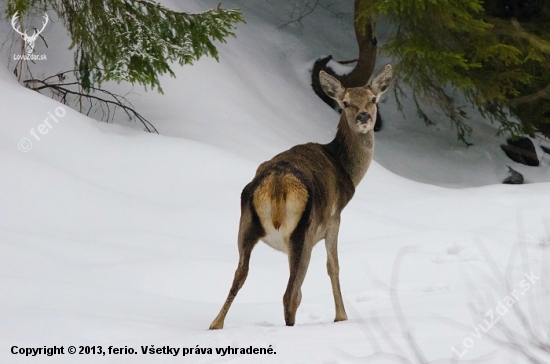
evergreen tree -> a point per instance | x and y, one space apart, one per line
496 52
472 46
133 40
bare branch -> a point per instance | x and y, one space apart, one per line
541 94
309 9
62 89
397 306
303 8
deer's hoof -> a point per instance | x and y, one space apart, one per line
341 318
216 326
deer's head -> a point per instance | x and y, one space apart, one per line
358 103
29 39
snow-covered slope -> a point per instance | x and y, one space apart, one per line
263 82
111 236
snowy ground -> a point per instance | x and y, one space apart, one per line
111 236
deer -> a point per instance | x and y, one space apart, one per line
29 39
295 199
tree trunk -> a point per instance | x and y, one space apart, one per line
367 52
364 67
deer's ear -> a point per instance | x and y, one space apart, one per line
381 80
332 87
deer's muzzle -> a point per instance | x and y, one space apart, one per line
363 117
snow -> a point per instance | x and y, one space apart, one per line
112 236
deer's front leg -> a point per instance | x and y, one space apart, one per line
331 243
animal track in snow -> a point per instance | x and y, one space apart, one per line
457 252
436 287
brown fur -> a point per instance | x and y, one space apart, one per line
281 197
296 198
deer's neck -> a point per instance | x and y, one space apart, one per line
353 151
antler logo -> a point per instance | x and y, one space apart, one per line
29 39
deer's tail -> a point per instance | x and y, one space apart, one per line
281 198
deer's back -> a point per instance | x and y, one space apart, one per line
315 167
302 186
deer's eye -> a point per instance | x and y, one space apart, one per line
346 104
374 100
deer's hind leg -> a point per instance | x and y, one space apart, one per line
250 231
299 255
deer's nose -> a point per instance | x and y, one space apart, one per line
363 117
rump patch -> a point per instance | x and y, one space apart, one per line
280 201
